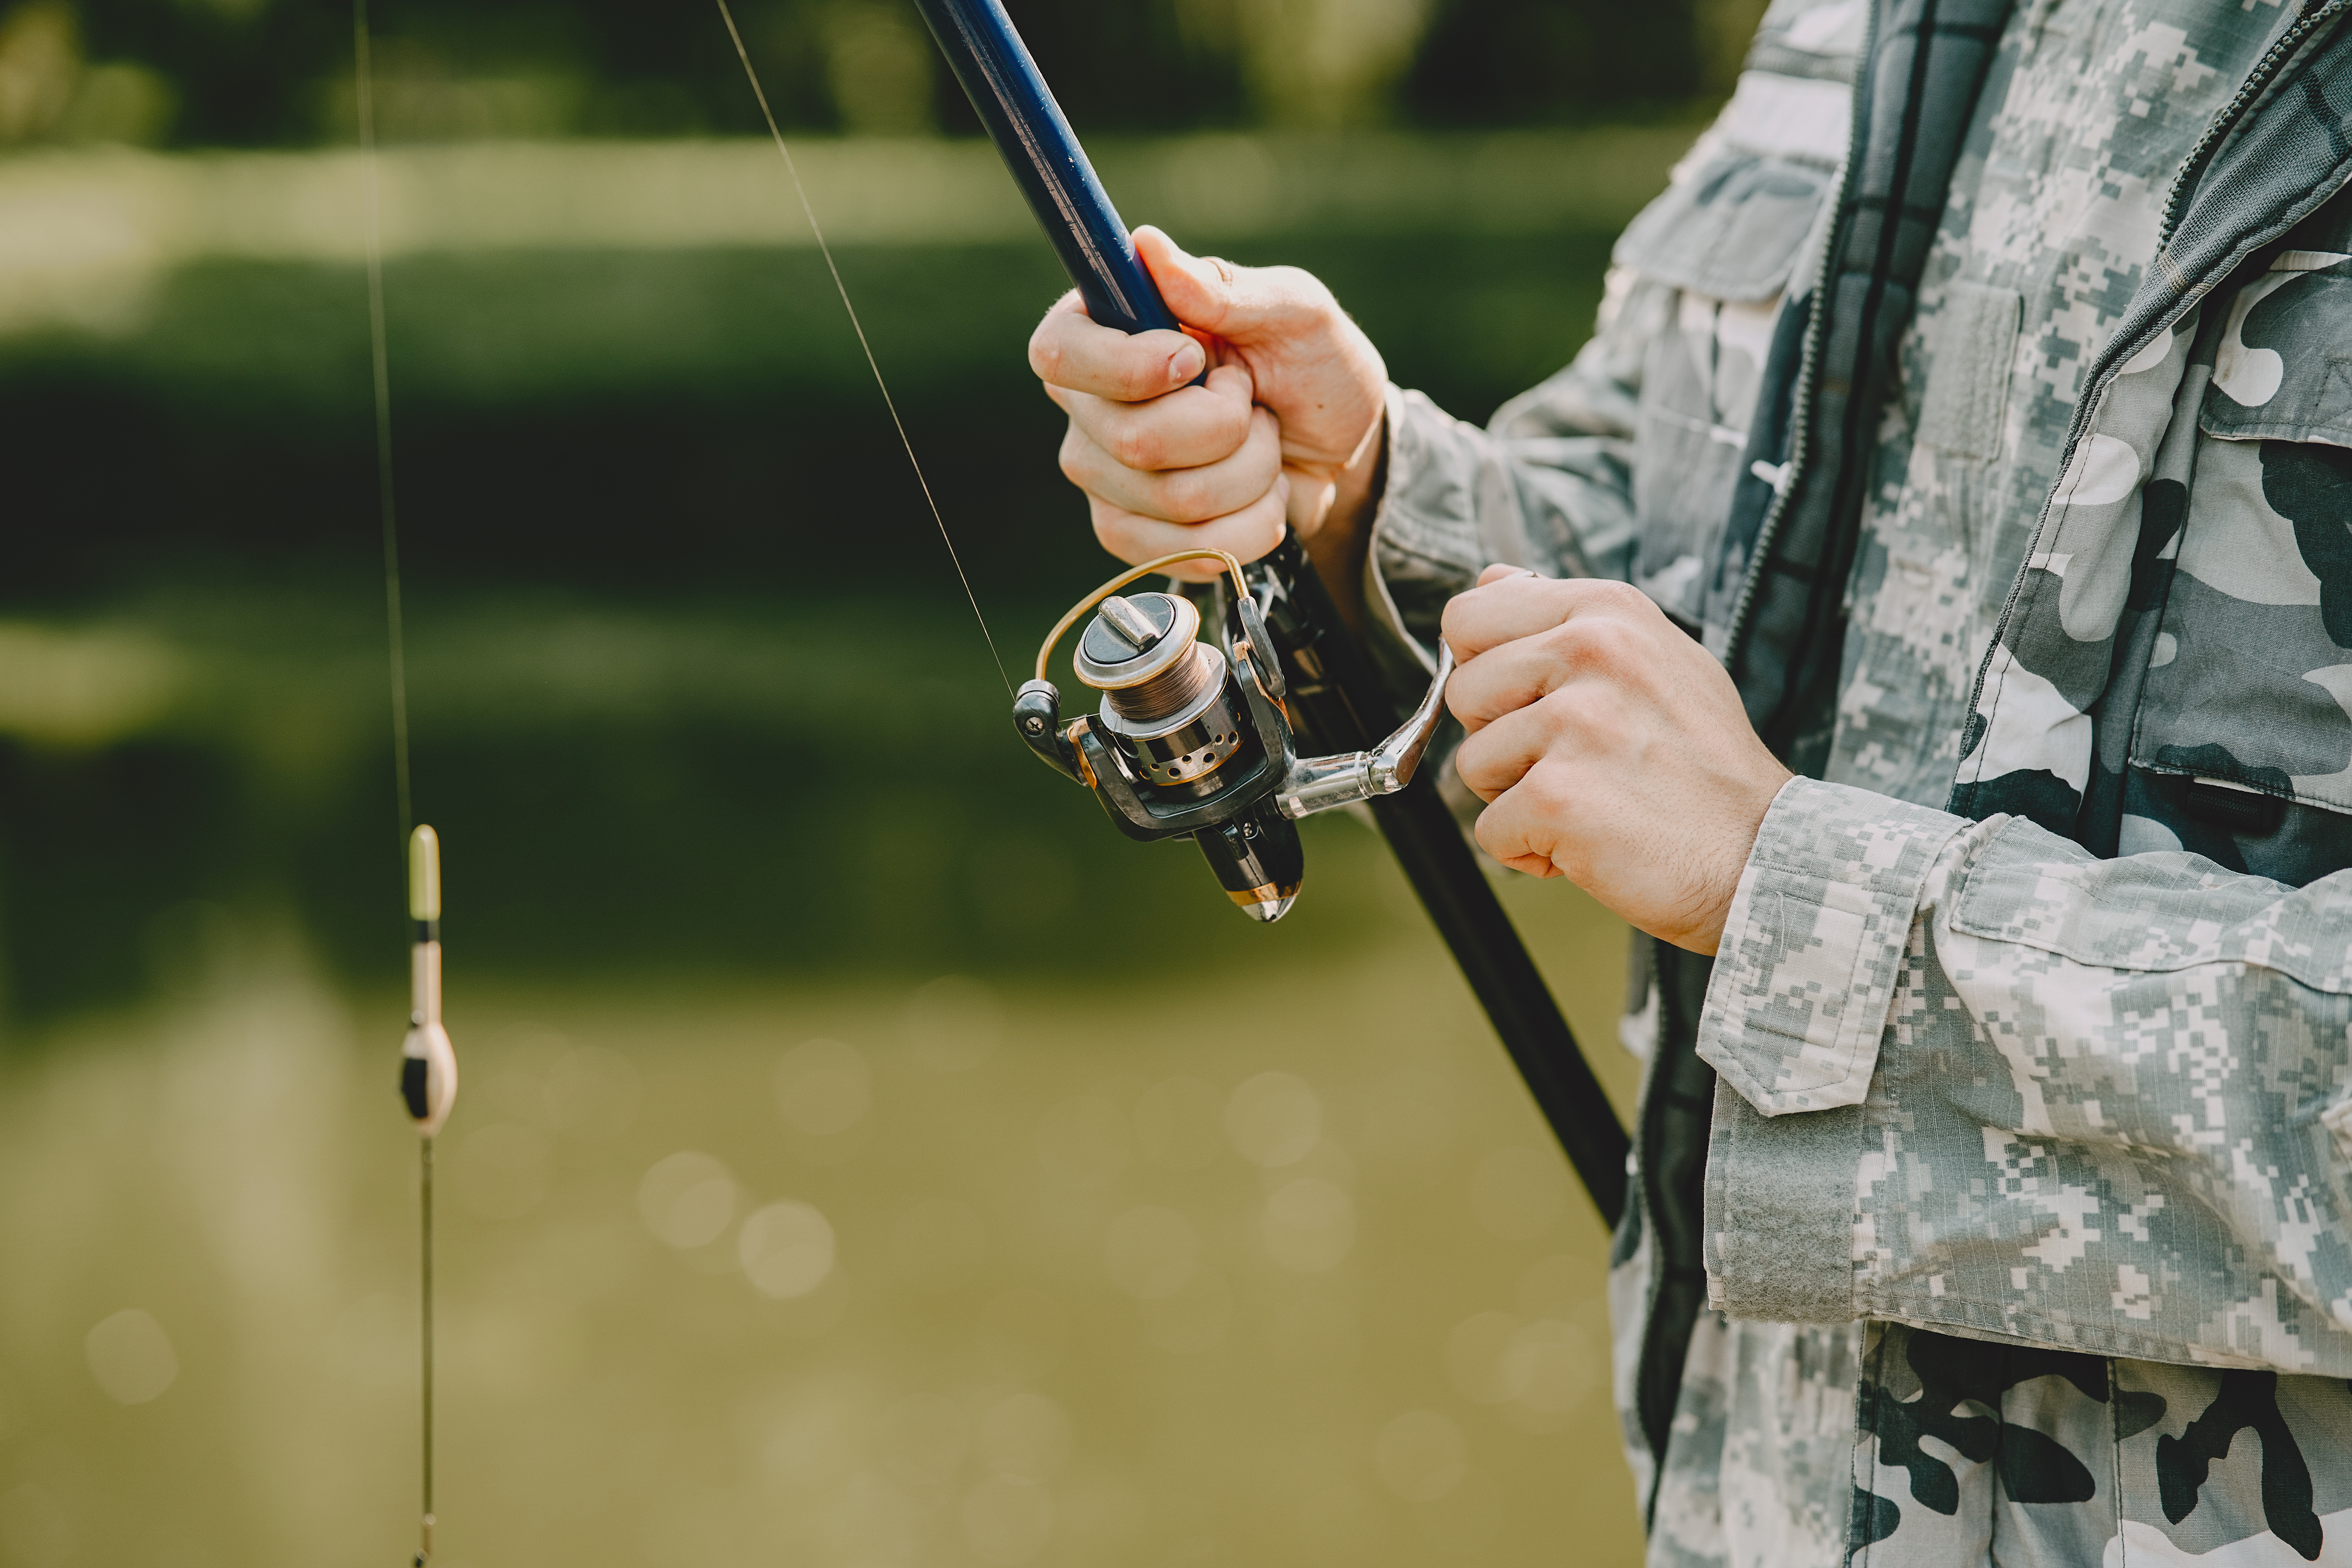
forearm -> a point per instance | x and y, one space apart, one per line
2031 1093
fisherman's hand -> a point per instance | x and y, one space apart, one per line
1610 748
1288 424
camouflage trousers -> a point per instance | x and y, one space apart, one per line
1882 1444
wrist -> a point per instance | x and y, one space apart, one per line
1340 545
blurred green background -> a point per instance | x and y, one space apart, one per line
866 1157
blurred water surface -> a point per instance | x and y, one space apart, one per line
1163 1265
866 1157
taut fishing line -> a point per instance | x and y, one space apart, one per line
380 364
752 73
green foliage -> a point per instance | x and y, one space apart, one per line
270 73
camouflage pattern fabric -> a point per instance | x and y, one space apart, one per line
2026 1193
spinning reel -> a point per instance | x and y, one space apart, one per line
1194 738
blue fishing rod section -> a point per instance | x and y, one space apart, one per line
1038 146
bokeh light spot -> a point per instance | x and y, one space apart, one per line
1550 1367
130 1357
686 1199
786 1249
1275 1119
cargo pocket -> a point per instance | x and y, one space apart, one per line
2242 747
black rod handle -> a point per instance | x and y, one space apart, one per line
1446 875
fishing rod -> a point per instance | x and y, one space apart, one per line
1202 739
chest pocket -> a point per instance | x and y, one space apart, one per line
2249 688
1732 231
1723 244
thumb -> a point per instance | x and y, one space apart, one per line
1206 295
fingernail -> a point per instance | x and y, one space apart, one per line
1186 362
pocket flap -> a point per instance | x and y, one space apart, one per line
2283 369
1733 230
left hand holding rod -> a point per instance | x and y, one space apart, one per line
1610 748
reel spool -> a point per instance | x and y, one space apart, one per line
1191 739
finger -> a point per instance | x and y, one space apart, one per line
1071 349
1182 429
1180 495
1248 533
1505 678
1501 570
1521 828
1516 606
1311 495
1499 755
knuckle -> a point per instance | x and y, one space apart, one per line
1046 357
1593 644
1264 530
1140 378
1547 791
1186 496
1621 597
1138 447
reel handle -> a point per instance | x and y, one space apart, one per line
1321 783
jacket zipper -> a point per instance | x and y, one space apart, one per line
2227 119
1808 366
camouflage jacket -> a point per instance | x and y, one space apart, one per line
1981 391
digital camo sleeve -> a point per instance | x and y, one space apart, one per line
1548 485
1974 1078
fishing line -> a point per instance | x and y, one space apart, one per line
751 72
381 365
